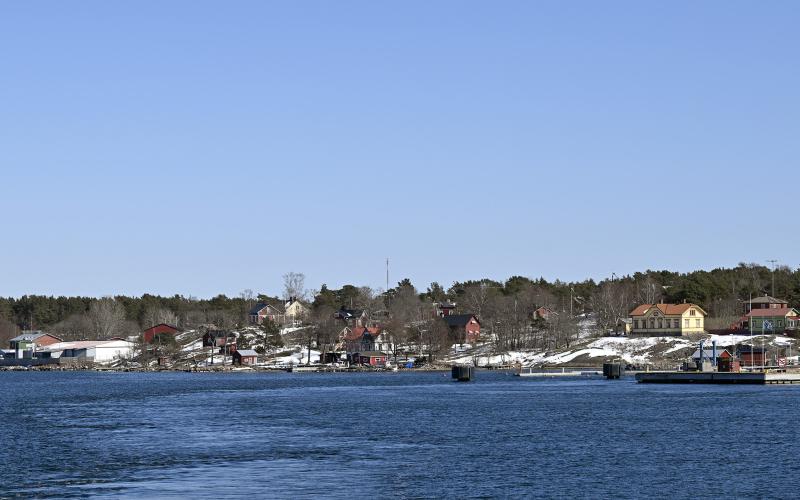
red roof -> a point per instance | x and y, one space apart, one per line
668 309
358 332
782 311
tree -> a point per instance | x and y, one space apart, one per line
155 315
612 301
75 327
434 337
107 317
294 285
326 328
8 331
269 337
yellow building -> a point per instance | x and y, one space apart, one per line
654 320
295 311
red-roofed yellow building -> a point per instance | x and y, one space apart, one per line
656 320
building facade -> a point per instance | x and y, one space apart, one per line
674 320
773 320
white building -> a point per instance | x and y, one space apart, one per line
99 351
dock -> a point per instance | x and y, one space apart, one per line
562 373
756 378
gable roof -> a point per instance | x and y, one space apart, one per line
766 299
460 319
31 336
163 324
261 306
780 311
709 353
358 332
668 309
246 352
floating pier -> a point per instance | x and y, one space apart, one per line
562 373
756 378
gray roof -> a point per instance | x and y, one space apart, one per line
28 336
247 352
263 305
459 319
766 299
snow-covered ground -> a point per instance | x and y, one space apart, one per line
638 350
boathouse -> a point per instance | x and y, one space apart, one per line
751 356
245 357
371 358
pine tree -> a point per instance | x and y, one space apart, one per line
270 335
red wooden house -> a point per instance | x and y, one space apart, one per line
245 357
371 358
263 310
752 356
161 329
464 328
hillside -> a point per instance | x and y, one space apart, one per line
656 352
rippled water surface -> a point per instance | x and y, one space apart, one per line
158 435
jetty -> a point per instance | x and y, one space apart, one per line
756 378
562 373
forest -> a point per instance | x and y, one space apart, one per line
504 308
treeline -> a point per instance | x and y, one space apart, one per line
505 308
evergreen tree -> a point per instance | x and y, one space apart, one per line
270 337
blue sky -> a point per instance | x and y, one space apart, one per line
201 147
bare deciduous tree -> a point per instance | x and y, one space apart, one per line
158 315
75 327
8 331
107 317
475 298
611 302
294 285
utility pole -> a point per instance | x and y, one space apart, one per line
773 261
571 291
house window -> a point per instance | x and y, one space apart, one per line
691 312
676 323
652 323
686 323
697 323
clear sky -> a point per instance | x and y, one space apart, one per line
201 147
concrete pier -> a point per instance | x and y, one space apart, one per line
758 378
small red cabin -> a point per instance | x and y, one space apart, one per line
371 358
245 357
160 329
